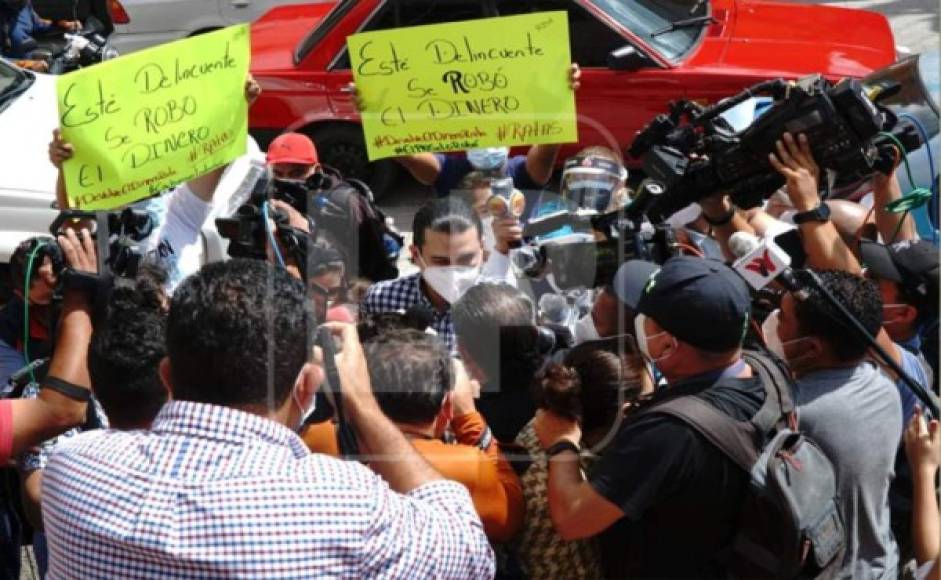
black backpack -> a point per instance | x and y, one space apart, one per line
790 524
344 208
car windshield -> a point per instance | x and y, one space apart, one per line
336 14
12 82
652 19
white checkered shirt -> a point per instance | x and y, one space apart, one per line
212 492
400 295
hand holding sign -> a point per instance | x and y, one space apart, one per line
465 85
146 122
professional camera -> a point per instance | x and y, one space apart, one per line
117 235
590 255
250 235
695 153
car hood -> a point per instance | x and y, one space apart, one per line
26 126
276 35
799 39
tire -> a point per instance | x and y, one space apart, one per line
343 147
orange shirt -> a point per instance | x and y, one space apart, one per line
488 476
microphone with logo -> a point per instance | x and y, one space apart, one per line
761 262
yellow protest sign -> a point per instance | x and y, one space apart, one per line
479 83
148 121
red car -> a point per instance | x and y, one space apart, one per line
636 57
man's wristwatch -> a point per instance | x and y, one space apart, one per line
821 214
559 447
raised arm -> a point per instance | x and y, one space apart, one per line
51 413
540 160
424 167
893 227
822 242
576 508
923 448
724 219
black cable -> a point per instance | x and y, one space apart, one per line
857 326
346 437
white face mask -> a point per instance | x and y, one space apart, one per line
489 238
769 328
643 341
450 282
585 329
304 413
489 158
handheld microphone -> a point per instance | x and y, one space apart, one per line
761 261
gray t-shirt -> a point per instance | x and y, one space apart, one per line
854 414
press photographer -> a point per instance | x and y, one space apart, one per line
692 314
242 379
64 391
341 210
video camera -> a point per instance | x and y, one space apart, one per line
695 153
118 235
598 244
248 232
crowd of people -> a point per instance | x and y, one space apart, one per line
287 416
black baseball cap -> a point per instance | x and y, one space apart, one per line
701 302
911 264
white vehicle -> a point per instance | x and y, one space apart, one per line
143 23
28 114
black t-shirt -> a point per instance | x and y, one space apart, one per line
681 494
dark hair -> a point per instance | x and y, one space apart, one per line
410 372
19 260
127 345
450 215
817 317
378 323
589 386
926 307
495 325
238 334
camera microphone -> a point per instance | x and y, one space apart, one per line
648 192
761 261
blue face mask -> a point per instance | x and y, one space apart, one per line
488 159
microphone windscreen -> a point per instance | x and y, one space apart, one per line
743 243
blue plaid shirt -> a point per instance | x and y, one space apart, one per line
212 492
401 294
37 457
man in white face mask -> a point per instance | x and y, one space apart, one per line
679 492
849 407
448 250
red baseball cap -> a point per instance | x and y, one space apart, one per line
292 148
